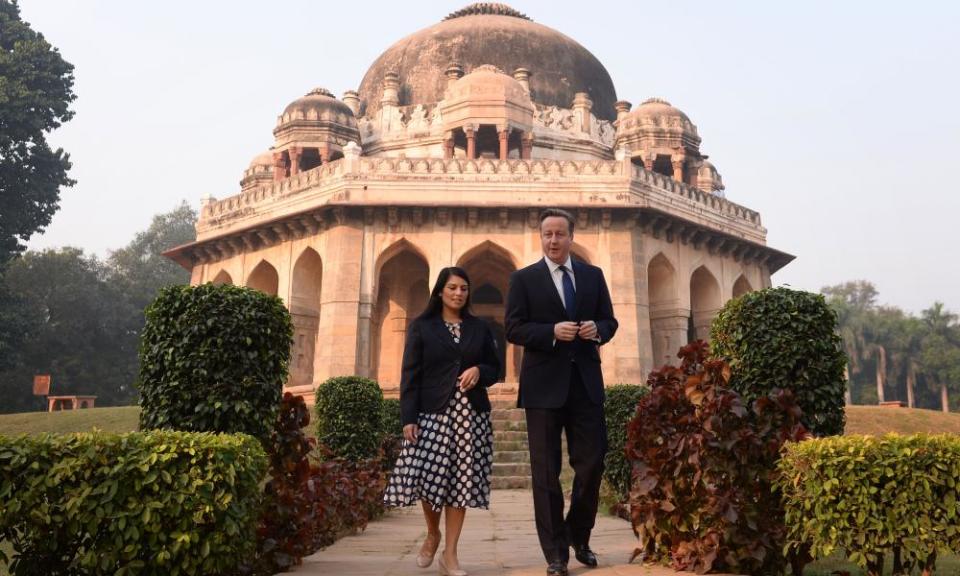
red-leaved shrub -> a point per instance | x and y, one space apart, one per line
703 467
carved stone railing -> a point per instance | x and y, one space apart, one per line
359 168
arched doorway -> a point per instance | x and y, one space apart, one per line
401 294
705 302
741 286
668 322
489 267
264 278
222 277
305 313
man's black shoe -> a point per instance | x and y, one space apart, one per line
585 555
557 568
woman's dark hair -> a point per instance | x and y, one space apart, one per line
435 304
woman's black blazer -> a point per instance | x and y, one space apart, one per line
432 361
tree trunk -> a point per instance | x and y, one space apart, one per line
911 382
881 372
944 400
847 394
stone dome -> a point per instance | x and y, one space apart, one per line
318 104
492 34
663 114
262 159
657 123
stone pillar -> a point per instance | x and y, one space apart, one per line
295 153
581 110
337 351
677 160
391 88
448 144
526 145
324 151
668 332
627 358
503 133
471 141
453 73
352 99
702 319
623 108
522 76
279 166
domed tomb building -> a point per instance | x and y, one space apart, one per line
455 140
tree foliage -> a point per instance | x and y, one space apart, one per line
893 355
36 89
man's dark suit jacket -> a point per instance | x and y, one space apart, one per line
432 361
533 307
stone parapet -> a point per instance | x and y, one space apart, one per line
377 181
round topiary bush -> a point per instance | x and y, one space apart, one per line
620 407
390 421
783 338
213 359
349 414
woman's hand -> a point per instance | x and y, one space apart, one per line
410 433
469 378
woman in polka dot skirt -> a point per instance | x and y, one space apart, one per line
449 360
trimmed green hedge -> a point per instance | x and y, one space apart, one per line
870 496
214 359
620 407
780 338
136 503
349 413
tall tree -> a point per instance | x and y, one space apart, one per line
84 335
141 268
36 89
852 301
940 356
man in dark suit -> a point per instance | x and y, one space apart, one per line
560 311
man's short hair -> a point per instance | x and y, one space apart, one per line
558 212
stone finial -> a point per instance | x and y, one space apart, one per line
582 104
352 99
454 72
522 75
391 89
623 108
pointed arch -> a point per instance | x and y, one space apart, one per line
401 293
306 284
705 301
222 277
489 266
741 286
264 278
668 325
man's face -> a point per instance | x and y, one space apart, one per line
556 238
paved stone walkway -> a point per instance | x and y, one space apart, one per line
498 542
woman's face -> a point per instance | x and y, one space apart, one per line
455 293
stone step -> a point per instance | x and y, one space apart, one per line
511 414
511 456
511 469
509 425
509 446
511 482
509 436
503 403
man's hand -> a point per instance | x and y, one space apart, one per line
469 378
588 330
410 433
565 331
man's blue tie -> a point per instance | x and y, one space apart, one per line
569 294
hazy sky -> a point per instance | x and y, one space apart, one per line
838 122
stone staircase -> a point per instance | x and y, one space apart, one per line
511 458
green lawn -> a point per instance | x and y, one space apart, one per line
120 419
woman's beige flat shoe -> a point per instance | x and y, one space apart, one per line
425 560
444 571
